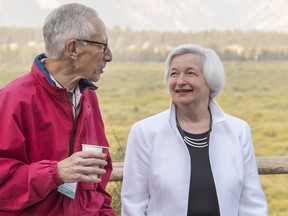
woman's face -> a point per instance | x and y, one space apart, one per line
186 82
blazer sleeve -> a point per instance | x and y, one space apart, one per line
135 193
252 200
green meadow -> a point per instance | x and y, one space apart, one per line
254 91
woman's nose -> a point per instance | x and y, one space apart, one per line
181 79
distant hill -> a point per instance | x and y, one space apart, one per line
20 45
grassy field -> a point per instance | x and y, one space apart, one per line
254 91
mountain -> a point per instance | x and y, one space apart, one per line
161 15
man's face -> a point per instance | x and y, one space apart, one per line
94 57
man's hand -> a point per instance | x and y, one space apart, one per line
83 166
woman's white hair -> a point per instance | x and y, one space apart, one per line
212 66
66 22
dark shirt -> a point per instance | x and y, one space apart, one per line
203 199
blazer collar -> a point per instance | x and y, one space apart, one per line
218 114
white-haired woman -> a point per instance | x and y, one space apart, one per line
192 159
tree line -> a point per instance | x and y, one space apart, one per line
20 45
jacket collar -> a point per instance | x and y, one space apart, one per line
217 113
83 83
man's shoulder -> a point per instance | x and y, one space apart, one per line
18 87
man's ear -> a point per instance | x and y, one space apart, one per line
71 49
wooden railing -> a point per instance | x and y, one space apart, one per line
272 165
266 165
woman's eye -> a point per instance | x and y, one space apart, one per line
173 73
192 73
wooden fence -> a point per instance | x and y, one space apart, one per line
266 165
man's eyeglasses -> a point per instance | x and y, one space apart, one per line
95 42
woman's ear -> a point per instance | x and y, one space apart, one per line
71 49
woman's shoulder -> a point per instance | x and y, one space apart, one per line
234 119
154 120
236 123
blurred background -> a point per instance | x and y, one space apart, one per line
251 37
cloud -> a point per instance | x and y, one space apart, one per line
47 5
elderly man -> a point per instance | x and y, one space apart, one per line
48 113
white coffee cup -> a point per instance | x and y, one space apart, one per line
96 148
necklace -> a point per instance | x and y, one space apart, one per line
195 140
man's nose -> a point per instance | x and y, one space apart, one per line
108 55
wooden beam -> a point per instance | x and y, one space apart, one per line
266 165
272 165
117 174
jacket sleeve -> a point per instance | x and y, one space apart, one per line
106 209
22 183
135 195
252 200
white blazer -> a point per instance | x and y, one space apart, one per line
157 167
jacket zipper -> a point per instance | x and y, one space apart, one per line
73 133
72 138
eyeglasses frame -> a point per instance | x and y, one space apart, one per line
94 42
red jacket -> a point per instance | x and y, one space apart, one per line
36 131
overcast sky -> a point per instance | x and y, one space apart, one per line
168 15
